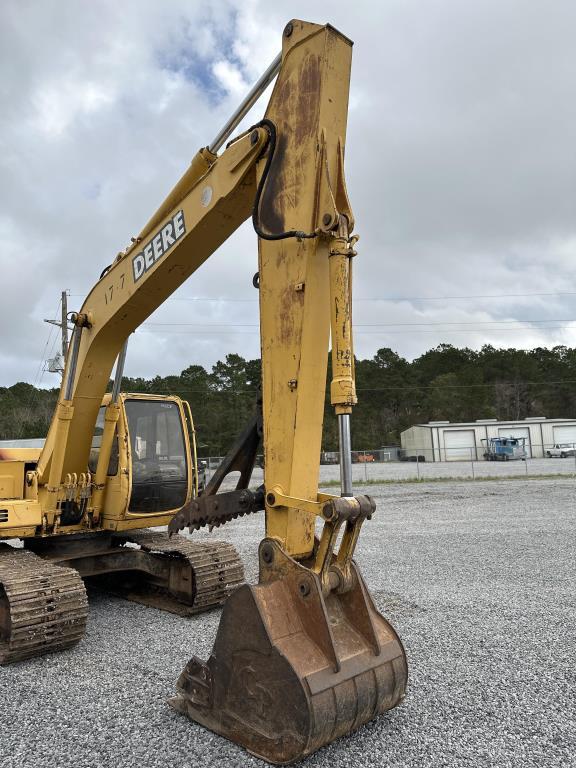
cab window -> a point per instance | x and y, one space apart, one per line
158 453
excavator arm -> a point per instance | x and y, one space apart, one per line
302 657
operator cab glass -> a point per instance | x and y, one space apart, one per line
158 451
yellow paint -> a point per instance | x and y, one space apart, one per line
130 525
118 303
40 517
21 514
309 107
11 480
300 288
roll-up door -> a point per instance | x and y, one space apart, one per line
564 435
517 432
459 444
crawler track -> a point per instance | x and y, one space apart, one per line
216 567
43 607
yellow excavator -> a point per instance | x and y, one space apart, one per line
303 657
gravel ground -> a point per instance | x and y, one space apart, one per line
477 577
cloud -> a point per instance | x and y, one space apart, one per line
460 166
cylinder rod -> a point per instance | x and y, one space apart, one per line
247 104
345 454
119 373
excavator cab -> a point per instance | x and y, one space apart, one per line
154 439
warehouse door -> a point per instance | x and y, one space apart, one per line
517 432
459 445
564 435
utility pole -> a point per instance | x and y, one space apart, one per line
64 324
56 364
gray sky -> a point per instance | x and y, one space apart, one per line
460 166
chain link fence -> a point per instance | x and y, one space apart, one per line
392 464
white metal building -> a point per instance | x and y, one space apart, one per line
445 441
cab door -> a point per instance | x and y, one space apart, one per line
160 472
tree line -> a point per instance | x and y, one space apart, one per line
445 383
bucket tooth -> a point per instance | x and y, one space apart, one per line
291 670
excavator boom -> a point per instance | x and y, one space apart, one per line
170 248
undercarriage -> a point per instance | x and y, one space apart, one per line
43 602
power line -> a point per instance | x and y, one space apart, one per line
43 355
232 332
224 299
56 364
371 325
48 359
470 296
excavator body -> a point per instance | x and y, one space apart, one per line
151 473
148 449
304 656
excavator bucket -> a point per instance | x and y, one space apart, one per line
292 669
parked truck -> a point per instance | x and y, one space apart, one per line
561 451
504 448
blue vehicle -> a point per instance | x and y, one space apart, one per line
505 448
